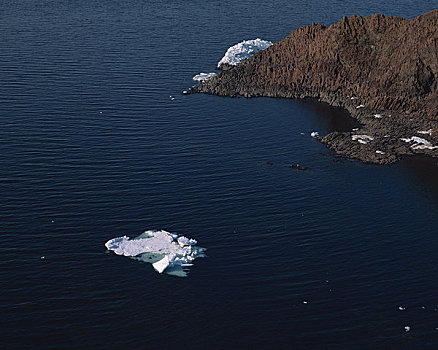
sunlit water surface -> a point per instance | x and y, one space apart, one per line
92 147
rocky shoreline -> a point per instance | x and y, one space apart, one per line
382 70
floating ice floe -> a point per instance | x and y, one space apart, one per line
167 252
203 76
407 328
360 106
380 152
378 116
243 50
426 132
364 139
314 134
401 308
419 143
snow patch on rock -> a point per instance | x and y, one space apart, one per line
419 143
426 132
243 50
363 139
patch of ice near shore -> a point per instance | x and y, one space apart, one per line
243 50
167 252
378 116
203 76
380 152
314 134
364 139
360 106
419 143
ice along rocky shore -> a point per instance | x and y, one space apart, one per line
383 70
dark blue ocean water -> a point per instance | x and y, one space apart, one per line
92 147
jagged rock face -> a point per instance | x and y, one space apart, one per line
391 63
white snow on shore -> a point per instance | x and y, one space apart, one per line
203 76
167 252
364 139
426 132
419 143
243 50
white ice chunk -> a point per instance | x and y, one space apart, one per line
314 134
380 152
363 139
161 265
360 106
407 328
243 50
355 129
184 241
426 132
163 249
378 116
401 308
419 143
203 76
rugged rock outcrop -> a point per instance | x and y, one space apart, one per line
383 70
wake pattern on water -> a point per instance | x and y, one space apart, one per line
167 252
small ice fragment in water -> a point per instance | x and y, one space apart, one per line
184 241
360 106
426 132
401 308
203 76
380 152
43 257
378 116
161 265
314 134
304 302
355 129
185 92
243 50
423 307
407 328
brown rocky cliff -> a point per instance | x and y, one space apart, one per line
390 63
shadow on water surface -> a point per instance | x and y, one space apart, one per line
423 170
331 118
